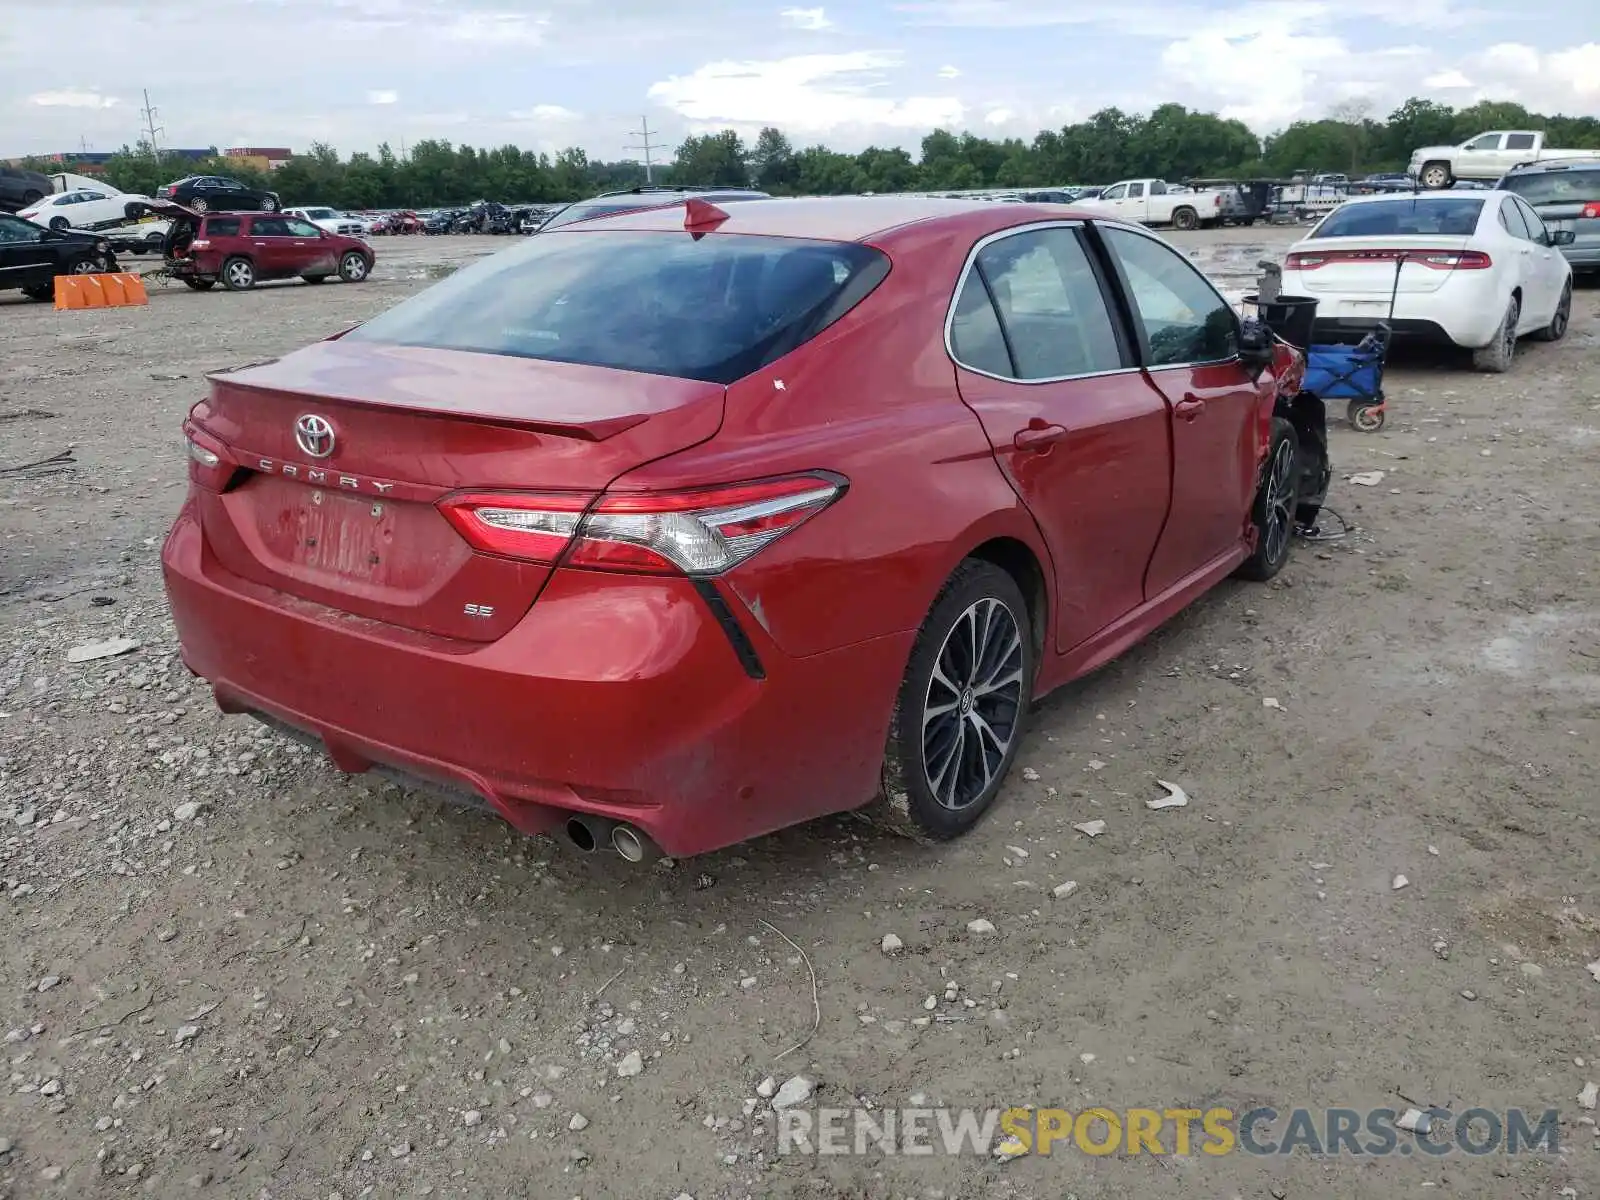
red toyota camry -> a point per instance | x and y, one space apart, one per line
678 527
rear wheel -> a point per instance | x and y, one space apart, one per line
962 707
40 291
1272 514
1495 358
87 266
30 198
353 267
59 224
200 204
269 204
238 275
1557 329
1436 176
1185 219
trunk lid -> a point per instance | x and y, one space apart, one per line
357 528
1366 266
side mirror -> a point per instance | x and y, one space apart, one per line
1563 237
1257 345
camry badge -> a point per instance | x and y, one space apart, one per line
314 435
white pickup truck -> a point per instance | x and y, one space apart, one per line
1485 157
1156 202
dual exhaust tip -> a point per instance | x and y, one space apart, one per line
589 833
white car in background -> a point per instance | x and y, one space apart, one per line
81 208
332 220
1474 269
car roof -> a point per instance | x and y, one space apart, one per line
1555 164
1423 197
837 218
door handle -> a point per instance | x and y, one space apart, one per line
1190 407
1039 435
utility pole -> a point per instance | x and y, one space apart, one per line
647 146
150 127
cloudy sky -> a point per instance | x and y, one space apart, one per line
546 74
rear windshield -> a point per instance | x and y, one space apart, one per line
1557 187
222 227
1450 216
710 308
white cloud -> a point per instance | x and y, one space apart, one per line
814 20
810 92
543 112
498 28
73 98
383 97
949 72
1447 79
999 116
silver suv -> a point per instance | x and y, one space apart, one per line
1566 194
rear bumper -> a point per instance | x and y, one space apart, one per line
615 695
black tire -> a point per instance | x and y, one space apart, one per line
40 291
980 603
1435 176
1272 514
315 278
60 224
1497 356
238 274
134 248
198 285
1185 219
1247 222
30 198
354 267
1557 329
269 204
200 204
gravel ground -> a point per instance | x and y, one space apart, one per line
231 970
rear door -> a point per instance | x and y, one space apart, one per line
1188 337
1549 265
1137 205
272 246
1532 270
1518 149
1076 427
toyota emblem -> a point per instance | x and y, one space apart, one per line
314 435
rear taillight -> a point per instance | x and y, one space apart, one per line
1439 260
703 532
200 244
209 465
1591 211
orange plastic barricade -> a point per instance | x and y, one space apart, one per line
117 290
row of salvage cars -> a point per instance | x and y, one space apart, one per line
201 249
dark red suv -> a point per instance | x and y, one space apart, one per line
240 249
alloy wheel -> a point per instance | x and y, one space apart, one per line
1280 502
240 274
974 699
87 266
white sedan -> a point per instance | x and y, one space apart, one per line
81 208
1476 269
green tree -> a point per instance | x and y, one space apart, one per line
772 162
713 160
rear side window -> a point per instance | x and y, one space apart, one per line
1183 317
1048 317
1450 216
1581 186
222 227
713 308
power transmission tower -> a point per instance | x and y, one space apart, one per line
150 127
648 147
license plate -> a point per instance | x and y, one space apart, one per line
344 535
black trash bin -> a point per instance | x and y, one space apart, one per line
1290 317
